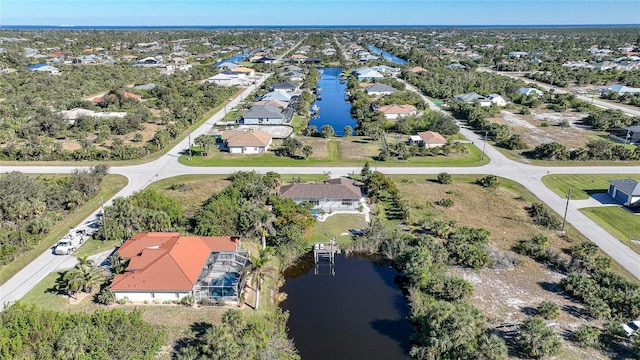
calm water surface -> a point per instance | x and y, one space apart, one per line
334 110
358 313
387 55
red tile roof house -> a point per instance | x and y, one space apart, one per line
167 266
333 195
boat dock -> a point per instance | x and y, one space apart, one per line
325 250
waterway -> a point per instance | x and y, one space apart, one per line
387 55
358 313
334 109
234 59
36 66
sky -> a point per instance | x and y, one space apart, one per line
316 12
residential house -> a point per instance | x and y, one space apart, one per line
384 69
285 86
248 72
73 114
395 111
227 65
246 142
125 95
627 191
265 60
267 115
167 266
456 66
379 89
333 195
226 78
620 89
48 69
518 54
472 98
312 60
278 96
367 74
530 91
329 52
428 139
417 69
293 76
497 100
629 134
275 103
298 58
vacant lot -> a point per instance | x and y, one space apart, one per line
504 295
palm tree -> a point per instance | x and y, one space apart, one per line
259 269
261 223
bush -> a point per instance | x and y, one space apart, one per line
587 336
537 340
106 296
445 178
445 202
543 217
535 248
187 300
564 123
548 310
544 124
489 181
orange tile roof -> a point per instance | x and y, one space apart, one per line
246 138
432 137
167 261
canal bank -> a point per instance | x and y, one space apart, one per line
387 55
351 310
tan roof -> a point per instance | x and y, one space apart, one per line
275 103
298 56
432 137
417 69
242 69
397 109
332 189
236 138
167 261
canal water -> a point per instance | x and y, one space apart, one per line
387 55
334 109
358 313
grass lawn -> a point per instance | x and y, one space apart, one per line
333 156
618 222
581 185
111 184
299 123
334 226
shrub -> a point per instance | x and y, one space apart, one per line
445 178
535 248
543 217
548 310
187 300
587 336
445 202
489 181
537 340
544 124
564 123
106 296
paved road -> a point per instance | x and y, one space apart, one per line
140 176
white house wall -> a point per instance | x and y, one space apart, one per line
150 296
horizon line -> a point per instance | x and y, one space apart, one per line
318 25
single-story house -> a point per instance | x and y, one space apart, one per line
530 91
278 96
246 142
312 60
275 103
267 115
620 89
627 191
456 66
245 70
285 86
367 74
427 139
265 60
497 100
379 89
298 58
472 98
629 134
292 75
225 78
395 111
518 54
333 195
227 65
386 69
167 266
48 68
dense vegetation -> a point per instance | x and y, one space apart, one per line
28 332
30 206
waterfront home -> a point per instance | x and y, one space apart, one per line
394 111
367 74
285 86
379 90
267 115
278 96
246 142
333 195
48 69
227 65
427 139
165 266
620 89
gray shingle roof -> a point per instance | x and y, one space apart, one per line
332 189
627 186
264 112
380 88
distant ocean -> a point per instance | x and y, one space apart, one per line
211 27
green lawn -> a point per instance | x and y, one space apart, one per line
336 225
581 185
109 187
618 222
299 123
269 159
45 297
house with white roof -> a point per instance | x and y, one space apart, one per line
620 89
472 98
378 89
530 91
367 74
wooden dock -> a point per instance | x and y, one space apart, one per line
325 250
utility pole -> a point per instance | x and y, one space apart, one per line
566 208
190 144
104 220
484 144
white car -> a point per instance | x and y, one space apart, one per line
632 327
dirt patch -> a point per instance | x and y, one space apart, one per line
529 126
319 147
356 148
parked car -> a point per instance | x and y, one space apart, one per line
632 327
